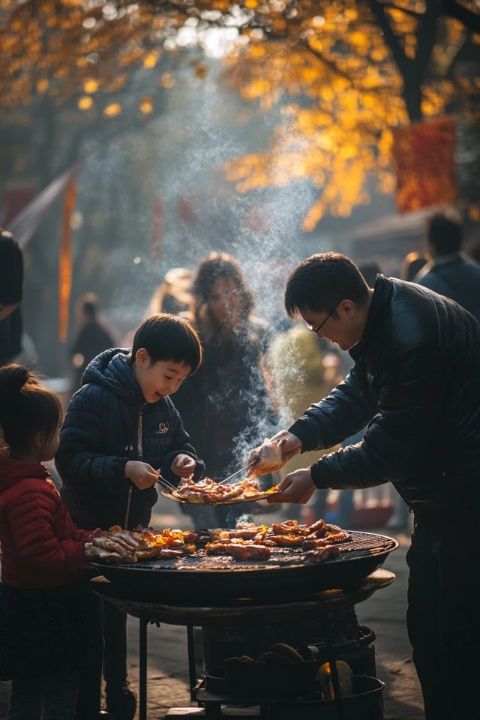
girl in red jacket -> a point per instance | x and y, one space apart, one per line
42 554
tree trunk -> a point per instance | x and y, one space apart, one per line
412 95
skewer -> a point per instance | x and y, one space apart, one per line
242 471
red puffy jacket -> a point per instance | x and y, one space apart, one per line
41 546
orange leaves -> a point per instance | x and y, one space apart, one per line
85 102
256 89
112 110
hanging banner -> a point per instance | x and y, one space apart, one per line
424 158
65 265
27 221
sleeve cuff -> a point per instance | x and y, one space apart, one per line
317 479
305 434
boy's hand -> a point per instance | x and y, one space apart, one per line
183 466
141 474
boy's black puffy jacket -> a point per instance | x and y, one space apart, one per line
416 381
101 433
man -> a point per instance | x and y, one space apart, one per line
11 288
449 273
416 386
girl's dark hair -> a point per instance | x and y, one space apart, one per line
213 267
26 408
168 337
322 281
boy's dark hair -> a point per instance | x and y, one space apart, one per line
168 337
26 408
444 232
322 281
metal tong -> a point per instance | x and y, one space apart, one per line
165 483
228 479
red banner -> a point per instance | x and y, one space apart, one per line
424 159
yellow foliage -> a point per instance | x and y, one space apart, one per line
112 110
150 60
85 102
332 55
146 106
90 86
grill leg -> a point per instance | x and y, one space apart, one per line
142 705
192 669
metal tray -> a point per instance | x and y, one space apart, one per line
271 493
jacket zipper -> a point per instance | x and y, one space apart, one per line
140 434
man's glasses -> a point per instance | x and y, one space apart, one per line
316 330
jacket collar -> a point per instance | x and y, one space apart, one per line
379 306
11 471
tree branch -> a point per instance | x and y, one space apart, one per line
470 20
392 41
407 11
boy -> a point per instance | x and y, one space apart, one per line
120 430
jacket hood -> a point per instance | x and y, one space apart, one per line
111 370
12 471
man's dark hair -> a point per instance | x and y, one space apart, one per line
322 281
444 232
167 337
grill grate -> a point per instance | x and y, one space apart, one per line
360 545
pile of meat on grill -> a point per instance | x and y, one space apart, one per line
246 542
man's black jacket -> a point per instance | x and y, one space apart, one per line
416 382
101 433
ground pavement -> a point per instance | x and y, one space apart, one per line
384 613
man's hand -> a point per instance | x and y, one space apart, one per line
259 461
141 474
183 466
297 487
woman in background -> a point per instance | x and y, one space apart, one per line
226 403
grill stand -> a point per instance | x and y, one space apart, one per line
246 612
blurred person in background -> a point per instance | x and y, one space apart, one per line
227 400
449 272
303 372
91 339
174 294
11 291
411 266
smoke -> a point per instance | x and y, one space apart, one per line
177 161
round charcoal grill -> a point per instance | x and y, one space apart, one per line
200 578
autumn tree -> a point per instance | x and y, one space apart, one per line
348 72
345 71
